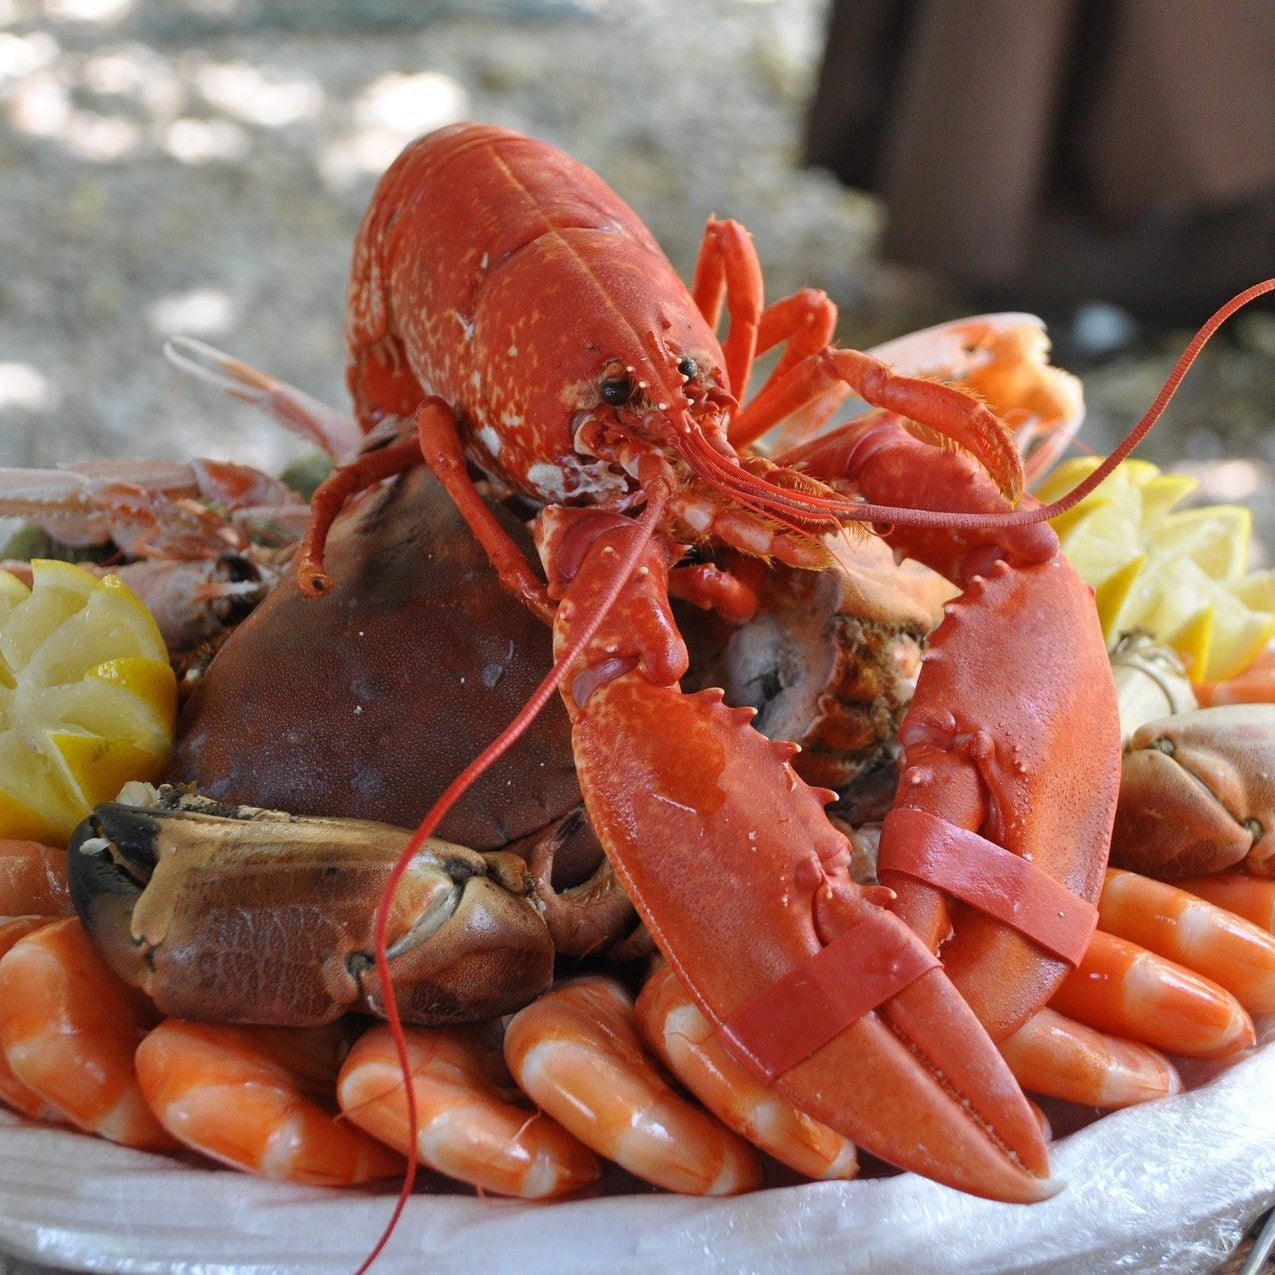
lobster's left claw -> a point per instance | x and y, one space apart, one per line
1196 794
738 875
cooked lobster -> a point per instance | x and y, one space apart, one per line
508 313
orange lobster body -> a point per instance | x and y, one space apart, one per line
474 270
507 302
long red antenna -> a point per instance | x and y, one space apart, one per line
762 495
646 525
1161 401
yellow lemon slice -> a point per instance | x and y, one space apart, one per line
1179 575
1215 538
1256 590
1162 491
1104 539
88 699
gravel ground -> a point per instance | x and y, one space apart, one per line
200 166
203 167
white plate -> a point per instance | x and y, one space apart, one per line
1166 1187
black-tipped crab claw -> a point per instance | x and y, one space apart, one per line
245 915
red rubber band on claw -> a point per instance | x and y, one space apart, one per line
988 877
786 1022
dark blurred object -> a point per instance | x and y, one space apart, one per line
1060 151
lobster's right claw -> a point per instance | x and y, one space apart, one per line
243 915
733 866
742 881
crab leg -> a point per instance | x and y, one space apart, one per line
743 883
1195 793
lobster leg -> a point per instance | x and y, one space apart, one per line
438 443
812 377
330 498
441 446
965 420
728 269
1012 743
723 849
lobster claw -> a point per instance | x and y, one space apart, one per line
999 834
244 915
1196 794
743 883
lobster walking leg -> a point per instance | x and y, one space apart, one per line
330 498
441 447
728 271
966 421
438 444
1012 738
724 849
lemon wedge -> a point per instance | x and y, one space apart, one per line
1177 574
88 699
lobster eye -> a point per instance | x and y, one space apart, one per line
617 390
688 368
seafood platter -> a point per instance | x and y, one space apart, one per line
821 825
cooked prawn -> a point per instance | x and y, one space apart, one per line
673 1027
13 1093
1053 1055
1256 685
1252 898
33 879
1121 988
1200 935
468 1128
252 1097
69 1028
576 1053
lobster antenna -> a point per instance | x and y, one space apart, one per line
645 526
720 472
1161 401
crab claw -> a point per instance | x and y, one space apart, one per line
1197 795
743 883
245 915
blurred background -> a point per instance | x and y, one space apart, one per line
200 166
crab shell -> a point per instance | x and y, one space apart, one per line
1197 794
369 701
366 702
